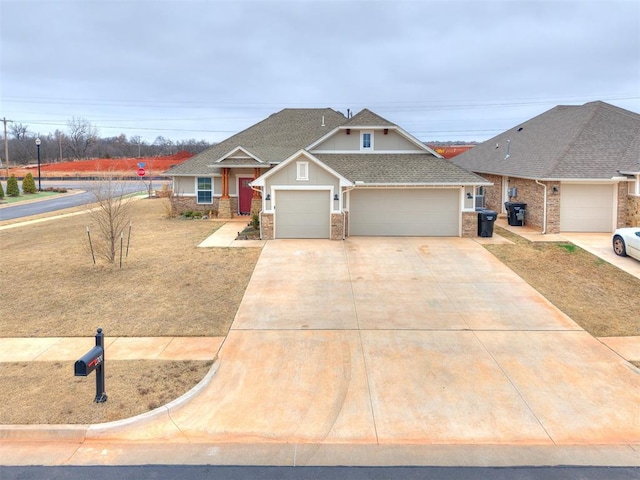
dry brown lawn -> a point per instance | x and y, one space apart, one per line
166 287
48 393
600 297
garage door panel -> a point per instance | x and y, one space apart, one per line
586 208
302 214
404 212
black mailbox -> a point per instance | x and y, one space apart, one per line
94 360
89 362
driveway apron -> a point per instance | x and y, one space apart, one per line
402 341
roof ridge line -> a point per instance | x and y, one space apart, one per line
573 141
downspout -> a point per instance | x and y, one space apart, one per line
344 217
259 190
544 208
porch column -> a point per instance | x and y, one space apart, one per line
256 174
224 205
225 183
256 200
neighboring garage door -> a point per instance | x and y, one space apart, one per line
586 208
302 214
405 212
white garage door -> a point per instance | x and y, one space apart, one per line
586 208
405 212
302 214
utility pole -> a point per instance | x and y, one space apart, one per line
6 143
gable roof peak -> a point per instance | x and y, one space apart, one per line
366 118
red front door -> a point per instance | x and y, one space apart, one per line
244 196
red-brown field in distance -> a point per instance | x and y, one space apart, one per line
121 166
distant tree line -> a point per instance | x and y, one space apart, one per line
81 140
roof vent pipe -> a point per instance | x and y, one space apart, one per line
323 121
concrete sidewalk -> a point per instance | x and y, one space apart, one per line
59 349
227 236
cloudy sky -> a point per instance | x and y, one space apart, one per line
442 70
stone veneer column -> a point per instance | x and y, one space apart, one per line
256 206
469 224
224 208
336 226
267 226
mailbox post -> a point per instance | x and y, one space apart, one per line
94 360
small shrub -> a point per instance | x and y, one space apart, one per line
1 191
28 184
255 221
197 215
12 186
187 214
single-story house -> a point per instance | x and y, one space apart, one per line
316 173
577 168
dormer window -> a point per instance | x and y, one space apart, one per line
366 141
302 171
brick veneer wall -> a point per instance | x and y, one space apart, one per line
623 202
532 194
633 211
493 194
469 224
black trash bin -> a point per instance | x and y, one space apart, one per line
486 218
515 213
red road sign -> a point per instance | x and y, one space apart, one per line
141 172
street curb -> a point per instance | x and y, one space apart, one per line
79 433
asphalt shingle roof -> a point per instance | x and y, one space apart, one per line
366 118
398 169
272 140
590 141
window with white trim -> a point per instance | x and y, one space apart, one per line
205 190
479 196
366 141
302 170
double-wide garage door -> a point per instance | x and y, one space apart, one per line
586 208
302 214
416 212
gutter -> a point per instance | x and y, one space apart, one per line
544 208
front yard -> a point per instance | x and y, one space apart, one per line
169 287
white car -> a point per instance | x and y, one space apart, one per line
626 241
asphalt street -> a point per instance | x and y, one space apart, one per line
59 203
211 472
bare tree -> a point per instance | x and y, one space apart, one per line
18 130
82 135
111 215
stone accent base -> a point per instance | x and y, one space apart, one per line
633 211
224 208
337 225
256 206
185 204
469 224
267 226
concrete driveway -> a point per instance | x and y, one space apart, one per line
400 341
599 244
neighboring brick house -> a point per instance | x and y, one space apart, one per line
576 167
314 173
